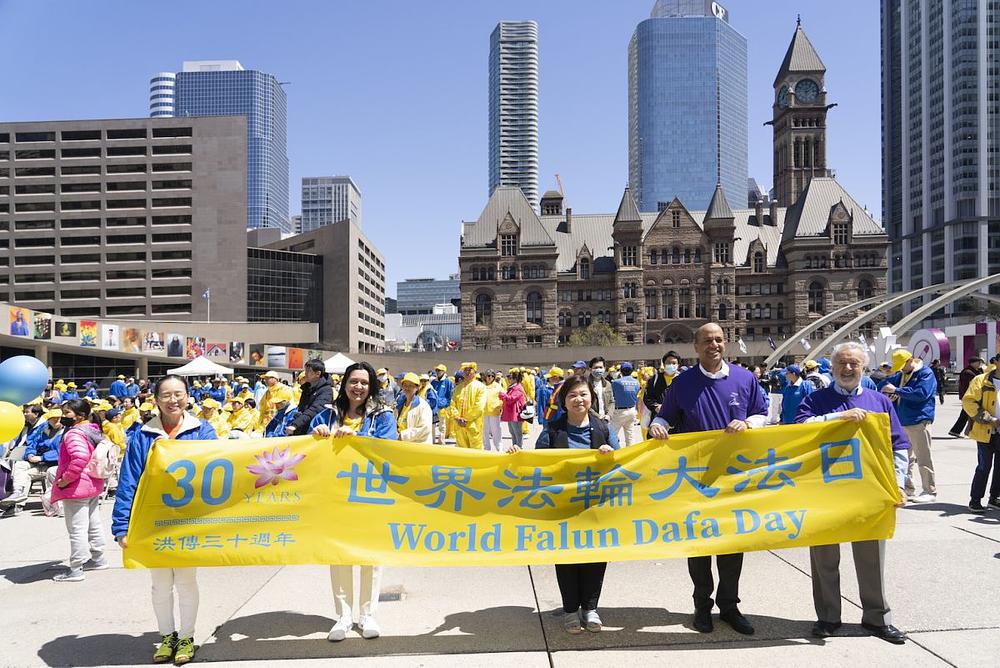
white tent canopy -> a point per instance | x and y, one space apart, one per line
338 363
201 366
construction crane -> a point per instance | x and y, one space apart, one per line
559 181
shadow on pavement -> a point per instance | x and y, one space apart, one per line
956 510
20 575
108 649
265 636
627 628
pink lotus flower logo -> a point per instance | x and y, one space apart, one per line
274 466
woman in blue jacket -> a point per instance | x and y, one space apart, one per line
175 423
356 411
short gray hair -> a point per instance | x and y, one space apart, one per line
850 346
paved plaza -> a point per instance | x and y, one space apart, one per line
943 579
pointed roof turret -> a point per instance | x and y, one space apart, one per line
719 208
628 212
800 57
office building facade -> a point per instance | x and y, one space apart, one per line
687 105
162 94
351 312
941 142
329 199
513 96
127 218
419 296
225 88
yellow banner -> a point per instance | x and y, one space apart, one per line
307 500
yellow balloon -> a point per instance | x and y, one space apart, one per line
11 421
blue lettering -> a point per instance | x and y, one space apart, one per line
407 534
741 523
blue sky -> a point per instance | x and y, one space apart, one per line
395 93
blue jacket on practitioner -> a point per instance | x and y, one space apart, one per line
916 397
134 463
443 388
378 423
42 443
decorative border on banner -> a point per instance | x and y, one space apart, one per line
246 519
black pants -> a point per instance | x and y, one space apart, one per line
730 566
989 458
960 423
580 585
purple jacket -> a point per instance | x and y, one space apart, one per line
829 400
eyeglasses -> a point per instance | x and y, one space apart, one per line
167 396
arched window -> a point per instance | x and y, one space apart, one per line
758 262
781 311
475 273
725 286
533 307
767 311
697 255
580 320
749 312
484 309
663 256
687 256
565 319
816 298
631 290
676 255
584 268
723 311
629 315
866 289
652 256
757 312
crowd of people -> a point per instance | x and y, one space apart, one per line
591 405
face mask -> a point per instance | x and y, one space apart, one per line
67 422
597 373
670 369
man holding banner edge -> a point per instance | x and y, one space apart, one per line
847 400
713 395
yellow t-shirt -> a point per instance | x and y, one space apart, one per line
401 420
354 423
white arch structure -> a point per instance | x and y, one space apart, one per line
879 305
952 292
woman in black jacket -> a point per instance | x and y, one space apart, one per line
579 429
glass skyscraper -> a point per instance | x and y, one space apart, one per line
513 123
224 88
687 88
941 142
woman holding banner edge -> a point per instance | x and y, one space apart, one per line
357 411
578 429
174 423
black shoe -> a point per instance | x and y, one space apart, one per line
976 506
735 618
823 629
994 503
888 633
703 621
955 434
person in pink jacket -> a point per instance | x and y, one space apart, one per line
79 493
514 401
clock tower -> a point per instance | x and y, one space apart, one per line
799 119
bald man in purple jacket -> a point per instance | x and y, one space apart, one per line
846 399
713 395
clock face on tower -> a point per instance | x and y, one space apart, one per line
783 97
806 91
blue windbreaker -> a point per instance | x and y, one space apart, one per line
916 398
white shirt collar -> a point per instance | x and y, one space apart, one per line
855 392
723 371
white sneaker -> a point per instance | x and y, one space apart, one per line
591 621
340 629
101 565
925 497
369 627
72 575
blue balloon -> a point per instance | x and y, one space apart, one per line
22 378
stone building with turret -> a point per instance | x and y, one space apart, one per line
530 279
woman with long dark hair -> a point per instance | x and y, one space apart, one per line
79 492
578 429
174 423
357 410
